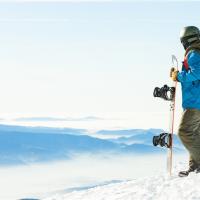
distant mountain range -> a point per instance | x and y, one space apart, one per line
49 119
129 132
144 137
38 129
20 145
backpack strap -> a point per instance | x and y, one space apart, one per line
185 63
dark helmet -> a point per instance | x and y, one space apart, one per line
189 35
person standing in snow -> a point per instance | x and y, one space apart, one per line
189 77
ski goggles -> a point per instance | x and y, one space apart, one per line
187 41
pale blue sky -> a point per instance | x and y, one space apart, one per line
102 59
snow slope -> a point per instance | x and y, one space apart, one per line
159 187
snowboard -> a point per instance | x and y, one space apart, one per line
171 121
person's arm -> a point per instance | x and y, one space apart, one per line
194 73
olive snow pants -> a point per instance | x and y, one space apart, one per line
189 134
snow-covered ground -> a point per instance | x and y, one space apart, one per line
55 181
160 186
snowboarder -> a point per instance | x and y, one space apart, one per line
189 77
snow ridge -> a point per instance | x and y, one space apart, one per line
159 187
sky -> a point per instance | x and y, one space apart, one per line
72 59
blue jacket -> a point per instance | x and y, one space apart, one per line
190 81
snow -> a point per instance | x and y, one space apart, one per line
158 187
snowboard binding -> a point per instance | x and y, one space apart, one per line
167 93
163 140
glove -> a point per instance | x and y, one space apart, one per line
174 74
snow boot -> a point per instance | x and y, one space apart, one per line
186 173
198 170
191 169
